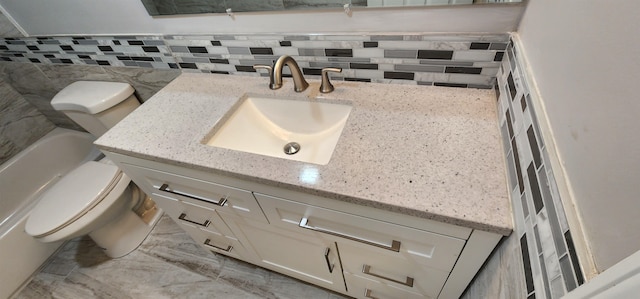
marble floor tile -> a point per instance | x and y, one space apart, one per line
168 264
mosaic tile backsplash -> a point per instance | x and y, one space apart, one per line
549 259
441 60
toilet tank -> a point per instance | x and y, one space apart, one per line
95 105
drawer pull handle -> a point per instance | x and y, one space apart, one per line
366 269
165 188
367 294
208 243
395 245
183 217
326 258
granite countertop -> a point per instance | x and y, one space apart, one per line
430 152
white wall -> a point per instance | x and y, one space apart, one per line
585 59
94 17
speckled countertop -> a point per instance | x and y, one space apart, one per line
430 152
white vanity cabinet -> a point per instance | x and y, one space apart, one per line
352 249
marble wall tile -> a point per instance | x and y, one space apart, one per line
21 124
151 7
62 75
200 6
39 83
7 149
146 81
7 29
28 80
255 5
308 4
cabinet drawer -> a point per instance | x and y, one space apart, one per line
189 215
360 287
416 246
396 272
215 242
202 218
223 199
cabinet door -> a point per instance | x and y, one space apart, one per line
298 255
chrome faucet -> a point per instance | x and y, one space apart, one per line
275 73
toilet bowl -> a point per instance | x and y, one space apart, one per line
96 198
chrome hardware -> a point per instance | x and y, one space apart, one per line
221 202
291 148
208 243
367 294
183 217
326 258
326 86
300 84
366 269
395 245
268 68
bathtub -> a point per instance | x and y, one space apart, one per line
22 180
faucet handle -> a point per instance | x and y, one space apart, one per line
262 66
326 86
265 67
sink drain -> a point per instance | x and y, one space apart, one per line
291 148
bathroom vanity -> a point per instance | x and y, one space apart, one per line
411 203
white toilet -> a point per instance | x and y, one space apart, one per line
96 198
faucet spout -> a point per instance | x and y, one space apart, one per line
300 84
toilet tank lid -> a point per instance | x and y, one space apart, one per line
91 96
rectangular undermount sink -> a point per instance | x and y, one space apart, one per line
306 129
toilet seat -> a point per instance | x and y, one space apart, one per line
72 197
